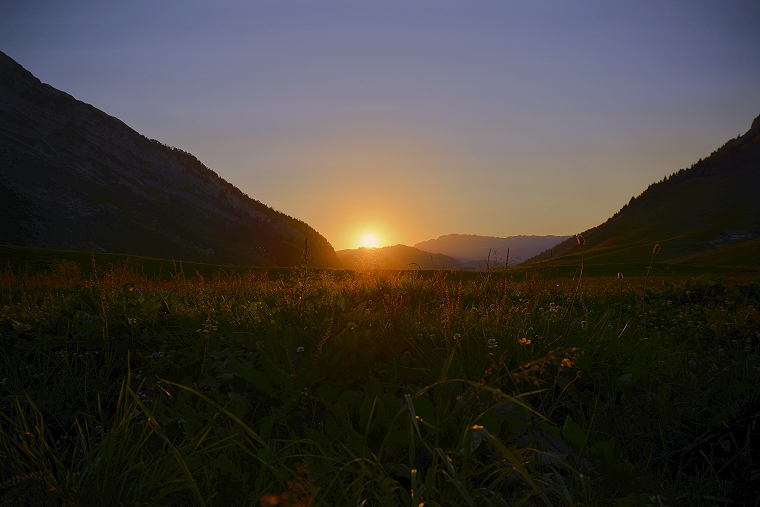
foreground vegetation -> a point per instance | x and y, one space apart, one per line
312 387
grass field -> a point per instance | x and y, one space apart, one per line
149 382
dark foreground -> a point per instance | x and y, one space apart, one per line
320 388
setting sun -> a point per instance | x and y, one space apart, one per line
369 241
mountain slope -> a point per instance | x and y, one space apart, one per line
395 257
690 213
476 249
73 177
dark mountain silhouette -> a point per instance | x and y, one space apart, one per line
695 214
395 257
473 251
74 177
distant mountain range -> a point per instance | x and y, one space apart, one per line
395 257
706 215
76 178
453 251
474 251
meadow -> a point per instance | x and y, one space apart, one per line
295 387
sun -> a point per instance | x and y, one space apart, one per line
370 240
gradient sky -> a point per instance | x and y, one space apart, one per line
413 118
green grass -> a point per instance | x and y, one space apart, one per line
221 386
744 254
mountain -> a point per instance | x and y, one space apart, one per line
474 250
73 177
395 257
697 215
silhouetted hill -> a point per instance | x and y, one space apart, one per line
694 214
76 178
474 250
395 257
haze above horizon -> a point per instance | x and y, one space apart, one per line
398 122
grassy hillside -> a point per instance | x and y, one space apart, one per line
686 213
745 254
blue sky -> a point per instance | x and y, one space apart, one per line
414 118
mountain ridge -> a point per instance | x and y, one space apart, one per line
75 177
688 211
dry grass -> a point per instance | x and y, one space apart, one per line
387 388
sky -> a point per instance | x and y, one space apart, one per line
410 119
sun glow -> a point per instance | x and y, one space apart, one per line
370 240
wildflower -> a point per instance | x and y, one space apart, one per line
492 343
456 336
620 276
299 349
584 324
523 341
567 363
270 499
581 240
656 249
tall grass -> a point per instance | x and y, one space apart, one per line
372 388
